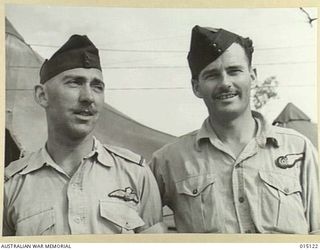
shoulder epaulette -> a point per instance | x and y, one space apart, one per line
126 154
16 166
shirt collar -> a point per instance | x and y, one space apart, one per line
38 160
42 158
103 156
206 132
265 133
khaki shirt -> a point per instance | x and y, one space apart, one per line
112 191
271 187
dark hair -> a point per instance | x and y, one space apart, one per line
246 44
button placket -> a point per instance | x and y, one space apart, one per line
77 202
241 204
75 185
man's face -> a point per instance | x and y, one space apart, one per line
225 84
73 101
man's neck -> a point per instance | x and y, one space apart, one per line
68 153
235 133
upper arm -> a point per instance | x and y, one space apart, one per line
150 204
310 185
7 226
156 168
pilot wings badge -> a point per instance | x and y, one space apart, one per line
288 160
128 194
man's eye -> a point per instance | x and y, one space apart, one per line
211 76
98 87
73 83
234 71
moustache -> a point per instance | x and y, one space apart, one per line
224 92
88 110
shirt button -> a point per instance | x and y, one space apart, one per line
195 191
219 50
214 45
286 190
77 219
241 199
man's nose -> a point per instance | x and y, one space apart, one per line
225 80
86 94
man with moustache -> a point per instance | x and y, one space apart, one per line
75 184
236 174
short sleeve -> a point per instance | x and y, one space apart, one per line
310 186
7 228
150 204
156 168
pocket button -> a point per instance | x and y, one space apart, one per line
195 191
241 199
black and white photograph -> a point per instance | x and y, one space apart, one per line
123 120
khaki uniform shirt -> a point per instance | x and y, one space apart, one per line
271 187
112 191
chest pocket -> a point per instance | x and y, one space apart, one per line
195 185
123 217
284 183
281 206
196 206
36 223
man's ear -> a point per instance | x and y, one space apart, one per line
253 74
40 95
196 88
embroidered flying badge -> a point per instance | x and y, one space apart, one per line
288 160
128 194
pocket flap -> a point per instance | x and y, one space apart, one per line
120 214
194 185
285 183
36 223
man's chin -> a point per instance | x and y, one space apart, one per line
227 113
79 132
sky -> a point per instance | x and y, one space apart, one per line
143 53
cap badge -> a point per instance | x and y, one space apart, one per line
86 59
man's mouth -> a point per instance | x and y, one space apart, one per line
224 96
85 112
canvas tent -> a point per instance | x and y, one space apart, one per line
292 117
25 120
14 152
